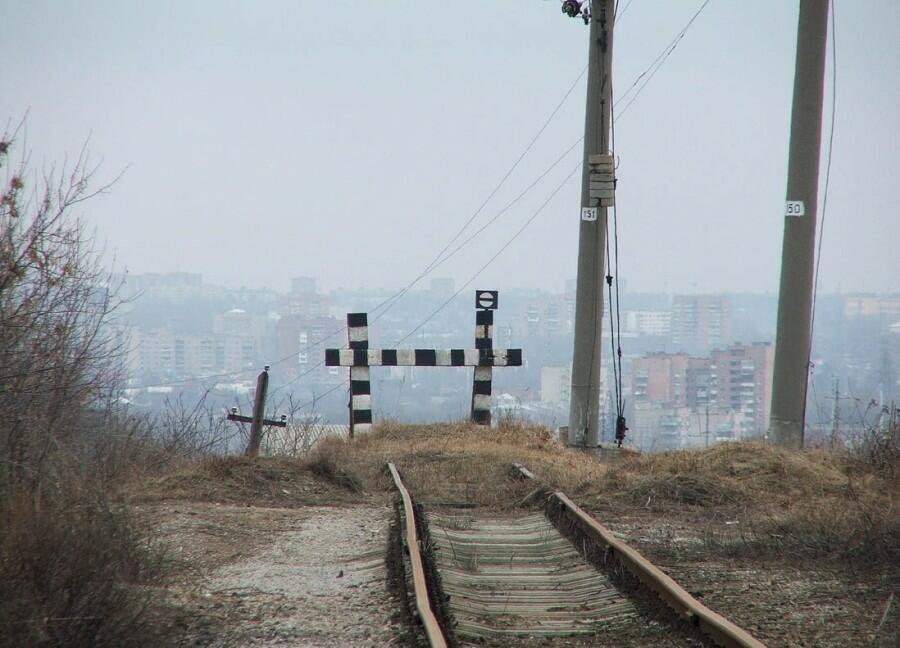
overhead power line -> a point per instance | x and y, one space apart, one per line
644 78
385 305
439 258
442 256
494 257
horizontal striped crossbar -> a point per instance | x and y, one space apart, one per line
423 357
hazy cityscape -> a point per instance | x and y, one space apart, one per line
697 368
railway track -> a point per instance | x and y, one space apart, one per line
555 577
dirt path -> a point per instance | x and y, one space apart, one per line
312 576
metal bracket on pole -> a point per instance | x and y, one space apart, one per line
602 176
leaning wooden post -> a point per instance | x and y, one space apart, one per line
360 386
257 421
259 410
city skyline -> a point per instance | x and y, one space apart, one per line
186 334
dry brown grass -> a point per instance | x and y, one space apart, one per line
459 464
263 481
806 504
738 474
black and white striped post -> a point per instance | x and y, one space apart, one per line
485 305
359 357
360 385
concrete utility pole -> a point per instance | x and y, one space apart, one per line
584 403
792 341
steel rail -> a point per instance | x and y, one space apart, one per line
423 605
717 627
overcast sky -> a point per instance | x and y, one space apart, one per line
351 140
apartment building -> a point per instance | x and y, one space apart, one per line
700 323
864 305
733 380
556 384
647 322
303 340
741 376
163 351
546 315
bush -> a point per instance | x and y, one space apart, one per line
73 572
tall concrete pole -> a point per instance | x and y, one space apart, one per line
584 404
792 341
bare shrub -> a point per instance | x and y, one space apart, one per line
73 571
58 341
877 447
195 430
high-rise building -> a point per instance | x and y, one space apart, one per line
647 322
700 323
544 316
742 377
555 384
163 351
659 378
736 379
303 341
303 285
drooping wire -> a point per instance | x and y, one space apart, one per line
316 399
509 242
462 244
612 328
812 319
461 288
612 279
439 259
647 75
617 358
621 14
510 204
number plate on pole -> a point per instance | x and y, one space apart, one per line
794 208
588 213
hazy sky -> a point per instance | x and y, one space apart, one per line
350 140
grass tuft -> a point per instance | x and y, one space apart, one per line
454 464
